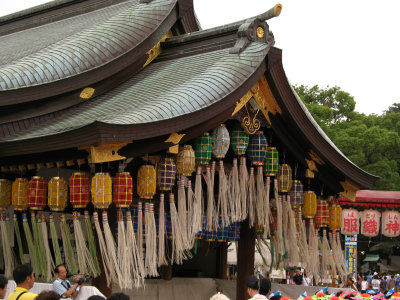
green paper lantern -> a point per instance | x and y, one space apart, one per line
239 140
271 162
203 149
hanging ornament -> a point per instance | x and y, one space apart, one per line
146 182
185 161
239 140
321 218
203 149
101 190
58 194
296 193
79 190
166 173
271 163
20 194
309 174
220 141
391 223
122 190
350 221
284 178
37 192
258 148
309 204
161 234
335 217
5 194
243 183
370 222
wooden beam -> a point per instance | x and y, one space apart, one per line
245 259
223 261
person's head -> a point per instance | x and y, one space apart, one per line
298 271
61 272
48 295
23 275
365 278
3 286
275 296
265 287
252 285
118 296
96 297
219 296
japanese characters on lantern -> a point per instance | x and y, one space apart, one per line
391 223
350 221
370 222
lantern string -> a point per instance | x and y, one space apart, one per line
295 170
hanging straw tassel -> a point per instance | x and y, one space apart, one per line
234 193
140 234
110 243
182 212
30 242
267 209
107 264
260 197
123 256
54 240
161 234
151 242
280 247
252 196
243 183
137 266
193 216
69 251
84 258
197 224
291 236
340 255
340 271
7 252
314 253
303 247
19 241
210 199
49 258
223 208
92 245
38 240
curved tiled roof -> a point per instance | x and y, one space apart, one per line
165 90
87 49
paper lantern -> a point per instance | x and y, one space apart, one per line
5 194
350 221
284 178
309 209
296 193
335 217
57 194
166 173
257 149
271 163
185 161
79 190
321 218
203 149
220 141
370 222
146 182
239 140
20 194
122 189
101 190
391 223
37 193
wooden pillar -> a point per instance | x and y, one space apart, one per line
245 259
223 261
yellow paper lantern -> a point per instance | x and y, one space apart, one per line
284 178
20 194
146 182
5 194
335 217
101 190
57 194
309 204
185 161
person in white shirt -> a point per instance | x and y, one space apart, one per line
375 283
364 284
252 288
306 280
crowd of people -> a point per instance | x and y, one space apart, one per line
379 282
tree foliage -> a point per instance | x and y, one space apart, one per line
372 142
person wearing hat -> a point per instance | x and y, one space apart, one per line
253 288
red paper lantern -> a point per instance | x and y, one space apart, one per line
321 218
79 190
350 222
370 221
37 193
391 223
122 189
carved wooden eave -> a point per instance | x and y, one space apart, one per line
104 152
350 190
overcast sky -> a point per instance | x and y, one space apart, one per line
353 44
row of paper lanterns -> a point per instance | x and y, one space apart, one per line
370 222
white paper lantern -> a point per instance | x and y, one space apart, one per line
391 223
370 222
350 221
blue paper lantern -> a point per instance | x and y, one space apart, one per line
257 149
